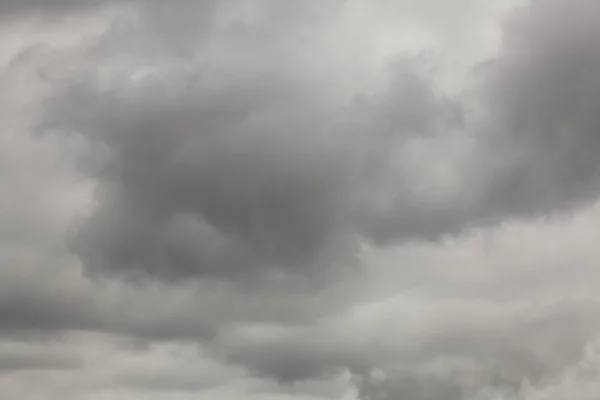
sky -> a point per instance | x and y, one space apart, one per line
299 200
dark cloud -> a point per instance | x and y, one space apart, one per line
42 312
165 381
544 95
27 307
27 362
233 168
68 302
408 386
176 27
228 167
232 156
16 8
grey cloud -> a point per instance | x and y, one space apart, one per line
175 27
543 90
174 381
242 164
225 168
447 361
32 311
250 167
294 359
16 362
408 386
236 164
16 8
31 306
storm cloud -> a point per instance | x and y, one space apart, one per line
242 159
304 200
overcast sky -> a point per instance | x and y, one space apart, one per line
300 200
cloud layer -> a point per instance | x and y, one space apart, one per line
317 200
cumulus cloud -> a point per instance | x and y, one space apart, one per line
245 160
241 158
317 200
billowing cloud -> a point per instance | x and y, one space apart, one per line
242 159
317 200
230 164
